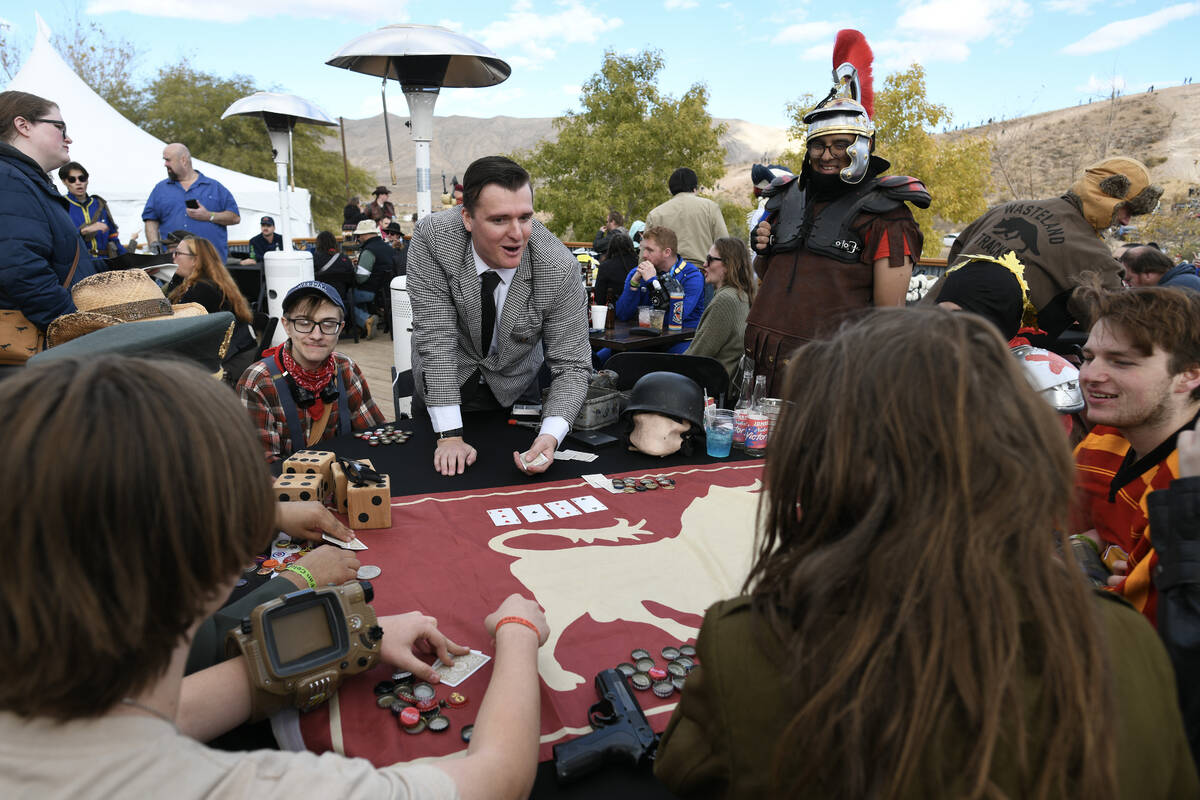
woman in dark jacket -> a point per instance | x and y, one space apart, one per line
610 275
200 277
331 265
38 240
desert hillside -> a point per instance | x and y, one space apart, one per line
1034 156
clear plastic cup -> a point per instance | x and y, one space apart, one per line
718 431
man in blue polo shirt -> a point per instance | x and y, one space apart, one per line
189 201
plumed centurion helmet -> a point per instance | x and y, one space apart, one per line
848 106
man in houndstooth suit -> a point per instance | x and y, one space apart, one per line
540 314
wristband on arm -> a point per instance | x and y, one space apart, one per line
521 621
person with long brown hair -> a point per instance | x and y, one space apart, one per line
722 327
909 626
200 277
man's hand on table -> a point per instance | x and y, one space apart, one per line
453 455
407 635
545 445
517 606
309 520
329 565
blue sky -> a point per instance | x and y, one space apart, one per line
983 58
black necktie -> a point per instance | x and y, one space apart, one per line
487 302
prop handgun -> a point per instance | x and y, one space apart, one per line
621 735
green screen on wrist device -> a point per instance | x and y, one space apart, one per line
299 647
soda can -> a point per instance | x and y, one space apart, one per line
757 428
675 318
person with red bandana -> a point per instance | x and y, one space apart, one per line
839 237
302 392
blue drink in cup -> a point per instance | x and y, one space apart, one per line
718 432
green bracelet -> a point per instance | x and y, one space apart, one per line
303 573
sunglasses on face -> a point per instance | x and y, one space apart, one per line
76 179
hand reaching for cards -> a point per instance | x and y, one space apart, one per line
309 520
406 637
517 606
329 565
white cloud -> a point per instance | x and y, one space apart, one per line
242 10
451 24
805 32
941 21
1125 31
529 40
676 5
1102 85
1072 6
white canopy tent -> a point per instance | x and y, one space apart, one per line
124 162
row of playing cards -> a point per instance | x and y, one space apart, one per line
538 513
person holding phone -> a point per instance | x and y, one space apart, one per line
190 201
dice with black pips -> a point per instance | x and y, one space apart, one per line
370 506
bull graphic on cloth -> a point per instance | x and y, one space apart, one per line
613 581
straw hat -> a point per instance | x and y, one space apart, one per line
366 226
111 298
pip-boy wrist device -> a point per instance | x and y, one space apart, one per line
299 646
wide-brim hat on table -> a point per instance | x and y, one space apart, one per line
366 226
111 298
201 339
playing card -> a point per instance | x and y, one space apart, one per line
353 544
589 504
534 513
598 481
462 668
503 516
563 508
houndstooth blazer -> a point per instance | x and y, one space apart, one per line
545 310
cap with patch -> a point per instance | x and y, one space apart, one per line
266 221
317 287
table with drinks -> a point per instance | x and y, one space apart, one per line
746 426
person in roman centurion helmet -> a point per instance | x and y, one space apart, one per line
839 237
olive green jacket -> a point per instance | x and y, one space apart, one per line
720 742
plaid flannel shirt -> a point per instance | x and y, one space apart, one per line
258 394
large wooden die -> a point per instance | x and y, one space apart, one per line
340 483
301 486
370 506
319 462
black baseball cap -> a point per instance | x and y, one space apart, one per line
267 221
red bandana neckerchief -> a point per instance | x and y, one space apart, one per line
312 380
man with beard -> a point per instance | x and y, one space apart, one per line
188 200
839 237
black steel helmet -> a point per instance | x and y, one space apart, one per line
670 394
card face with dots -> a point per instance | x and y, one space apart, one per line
588 504
503 516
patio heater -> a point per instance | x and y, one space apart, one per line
423 58
282 269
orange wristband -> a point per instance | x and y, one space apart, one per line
521 621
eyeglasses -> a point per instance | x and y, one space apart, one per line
58 123
178 253
305 325
77 179
837 148
709 259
